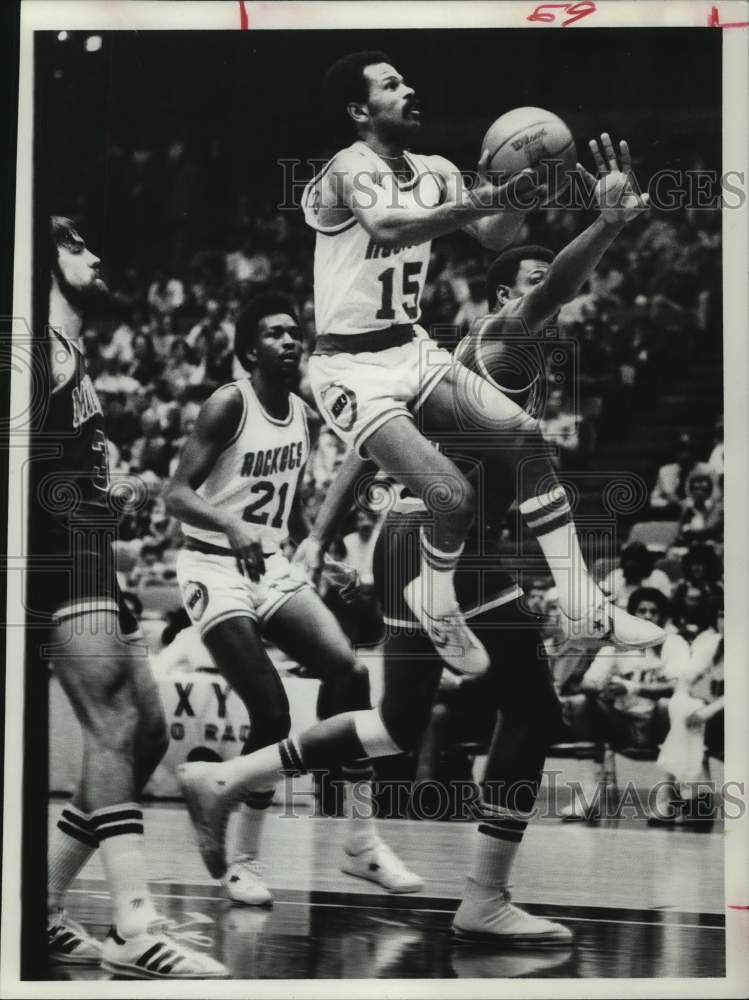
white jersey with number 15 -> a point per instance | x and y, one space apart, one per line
360 285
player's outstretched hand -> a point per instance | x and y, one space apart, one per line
246 544
309 555
521 191
616 190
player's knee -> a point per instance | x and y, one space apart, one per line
113 727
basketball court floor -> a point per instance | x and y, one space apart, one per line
642 902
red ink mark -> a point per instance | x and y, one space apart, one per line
713 21
244 21
733 906
545 12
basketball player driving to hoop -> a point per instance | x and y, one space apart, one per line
376 207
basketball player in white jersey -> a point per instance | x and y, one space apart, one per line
527 286
235 491
376 208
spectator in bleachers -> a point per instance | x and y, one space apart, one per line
696 714
146 366
697 593
627 684
161 332
151 450
116 341
441 309
149 566
123 424
715 461
248 266
636 570
179 366
701 513
113 381
165 294
561 427
670 488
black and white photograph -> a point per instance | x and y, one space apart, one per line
377 500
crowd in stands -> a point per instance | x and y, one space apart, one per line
651 306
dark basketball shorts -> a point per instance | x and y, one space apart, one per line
73 573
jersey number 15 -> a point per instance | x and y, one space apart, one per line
410 279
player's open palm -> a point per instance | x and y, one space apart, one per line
616 190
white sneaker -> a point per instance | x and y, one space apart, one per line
158 954
494 919
209 810
68 943
382 865
450 636
244 883
605 623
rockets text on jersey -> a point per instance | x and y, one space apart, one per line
257 474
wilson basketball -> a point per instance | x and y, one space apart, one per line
531 137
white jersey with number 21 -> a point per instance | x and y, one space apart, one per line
360 285
257 474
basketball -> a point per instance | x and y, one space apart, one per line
531 137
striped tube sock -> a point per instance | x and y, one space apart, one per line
437 576
359 809
244 775
119 830
250 823
71 845
291 757
549 517
500 834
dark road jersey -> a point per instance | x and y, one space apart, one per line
72 464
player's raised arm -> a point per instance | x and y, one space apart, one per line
216 425
619 202
394 222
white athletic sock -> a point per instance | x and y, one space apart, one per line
120 833
437 576
72 843
359 810
500 835
249 826
243 775
550 519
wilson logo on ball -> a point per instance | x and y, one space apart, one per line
526 140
